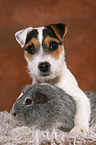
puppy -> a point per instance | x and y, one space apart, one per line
45 55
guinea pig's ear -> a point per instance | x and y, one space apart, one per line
21 36
40 98
59 29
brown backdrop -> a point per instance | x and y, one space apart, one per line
80 42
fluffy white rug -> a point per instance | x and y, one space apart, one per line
12 133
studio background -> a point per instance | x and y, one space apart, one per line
80 41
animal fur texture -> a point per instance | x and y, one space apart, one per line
44 106
45 55
12 132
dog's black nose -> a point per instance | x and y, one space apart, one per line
44 67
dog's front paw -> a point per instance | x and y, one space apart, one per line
78 130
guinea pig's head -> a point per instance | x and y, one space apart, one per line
32 105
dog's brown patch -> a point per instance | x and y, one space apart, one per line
28 56
66 29
57 33
58 51
33 41
36 44
49 39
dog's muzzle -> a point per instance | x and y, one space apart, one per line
44 68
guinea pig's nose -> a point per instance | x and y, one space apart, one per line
13 113
44 66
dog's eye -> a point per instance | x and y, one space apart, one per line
53 46
28 101
31 49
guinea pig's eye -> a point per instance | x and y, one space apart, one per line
53 46
31 49
28 101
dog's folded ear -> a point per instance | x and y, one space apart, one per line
21 36
60 30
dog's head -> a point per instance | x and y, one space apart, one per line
43 50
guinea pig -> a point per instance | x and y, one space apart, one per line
92 96
44 106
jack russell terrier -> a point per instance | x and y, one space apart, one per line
45 55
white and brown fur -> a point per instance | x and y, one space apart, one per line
45 55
